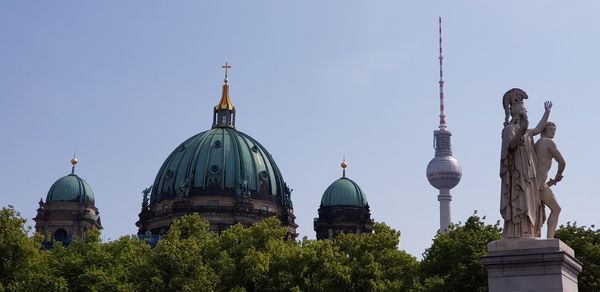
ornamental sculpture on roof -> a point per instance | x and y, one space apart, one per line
145 194
523 171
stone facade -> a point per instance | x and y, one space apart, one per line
342 219
65 221
220 211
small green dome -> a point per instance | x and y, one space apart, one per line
344 192
220 161
70 188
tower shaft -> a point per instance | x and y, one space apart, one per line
445 214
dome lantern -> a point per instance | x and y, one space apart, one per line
224 112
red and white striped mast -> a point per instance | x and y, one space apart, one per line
442 115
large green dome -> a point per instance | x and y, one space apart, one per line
220 161
344 192
70 188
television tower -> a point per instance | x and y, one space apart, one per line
443 171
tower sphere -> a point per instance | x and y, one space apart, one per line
444 172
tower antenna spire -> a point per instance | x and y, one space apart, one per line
442 114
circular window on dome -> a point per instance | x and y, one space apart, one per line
263 175
182 147
217 144
254 148
214 169
169 174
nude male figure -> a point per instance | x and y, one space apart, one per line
546 150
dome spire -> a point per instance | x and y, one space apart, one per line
74 162
344 164
224 113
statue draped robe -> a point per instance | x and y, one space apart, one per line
520 203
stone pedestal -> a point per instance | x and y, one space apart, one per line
531 264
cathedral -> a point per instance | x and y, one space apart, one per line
222 174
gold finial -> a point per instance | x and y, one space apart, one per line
73 162
344 164
226 66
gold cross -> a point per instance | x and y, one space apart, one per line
226 66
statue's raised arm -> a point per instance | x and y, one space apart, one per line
542 124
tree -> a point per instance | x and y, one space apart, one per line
89 265
22 262
191 258
179 262
375 262
585 241
247 255
453 262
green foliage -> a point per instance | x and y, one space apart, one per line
453 262
191 258
89 265
178 263
22 262
258 258
375 262
585 241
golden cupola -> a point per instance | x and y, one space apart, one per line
224 113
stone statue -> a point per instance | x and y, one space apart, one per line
145 192
520 203
546 150
184 188
243 190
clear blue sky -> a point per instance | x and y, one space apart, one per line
124 82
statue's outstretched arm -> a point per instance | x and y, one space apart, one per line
540 126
